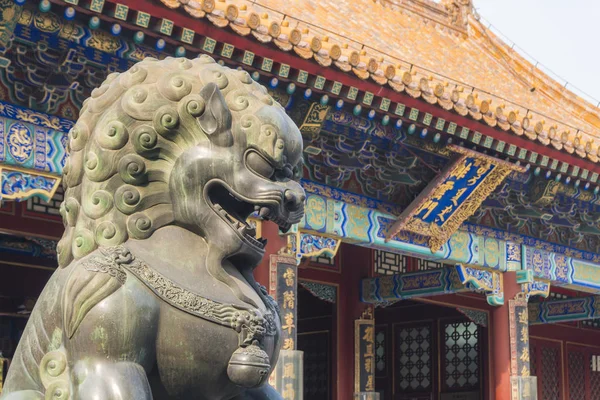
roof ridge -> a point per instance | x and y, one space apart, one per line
301 31
452 14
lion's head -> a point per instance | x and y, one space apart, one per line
184 142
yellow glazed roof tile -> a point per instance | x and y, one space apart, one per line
439 52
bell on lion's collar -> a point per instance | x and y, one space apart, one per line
249 366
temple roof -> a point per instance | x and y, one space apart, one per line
439 52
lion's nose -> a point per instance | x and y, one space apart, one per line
293 201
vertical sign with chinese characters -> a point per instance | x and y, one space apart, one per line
284 288
519 338
364 351
287 377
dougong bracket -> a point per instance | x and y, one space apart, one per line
489 282
21 184
303 244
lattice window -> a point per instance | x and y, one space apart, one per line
591 323
557 296
413 359
533 358
550 373
423 265
576 376
380 354
461 345
329 261
51 207
387 263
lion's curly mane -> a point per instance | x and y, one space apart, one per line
130 133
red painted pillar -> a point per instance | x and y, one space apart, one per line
275 242
356 265
500 341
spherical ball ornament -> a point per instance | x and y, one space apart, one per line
273 83
221 63
255 75
249 367
160 44
324 100
412 129
339 104
424 133
436 138
116 29
94 22
307 93
548 174
45 6
596 189
357 110
69 13
577 183
385 120
180 51
139 37
527 167
587 186
291 88
20 2
558 177
371 114
568 180
449 141
537 171
399 124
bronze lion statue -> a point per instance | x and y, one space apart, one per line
154 297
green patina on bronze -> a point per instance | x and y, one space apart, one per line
155 296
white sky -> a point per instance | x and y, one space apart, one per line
563 35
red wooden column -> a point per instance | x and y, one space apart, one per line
500 340
275 242
356 265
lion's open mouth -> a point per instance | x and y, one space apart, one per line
235 210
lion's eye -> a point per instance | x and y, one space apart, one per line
259 165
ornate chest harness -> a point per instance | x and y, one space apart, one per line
249 364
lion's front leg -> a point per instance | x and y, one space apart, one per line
106 380
265 392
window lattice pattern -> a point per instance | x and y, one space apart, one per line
461 341
52 207
380 361
423 265
550 373
413 359
323 260
576 376
387 263
591 323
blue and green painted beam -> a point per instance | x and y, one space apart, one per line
569 310
447 280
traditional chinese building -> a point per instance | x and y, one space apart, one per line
451 243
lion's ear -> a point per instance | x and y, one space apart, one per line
216 119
